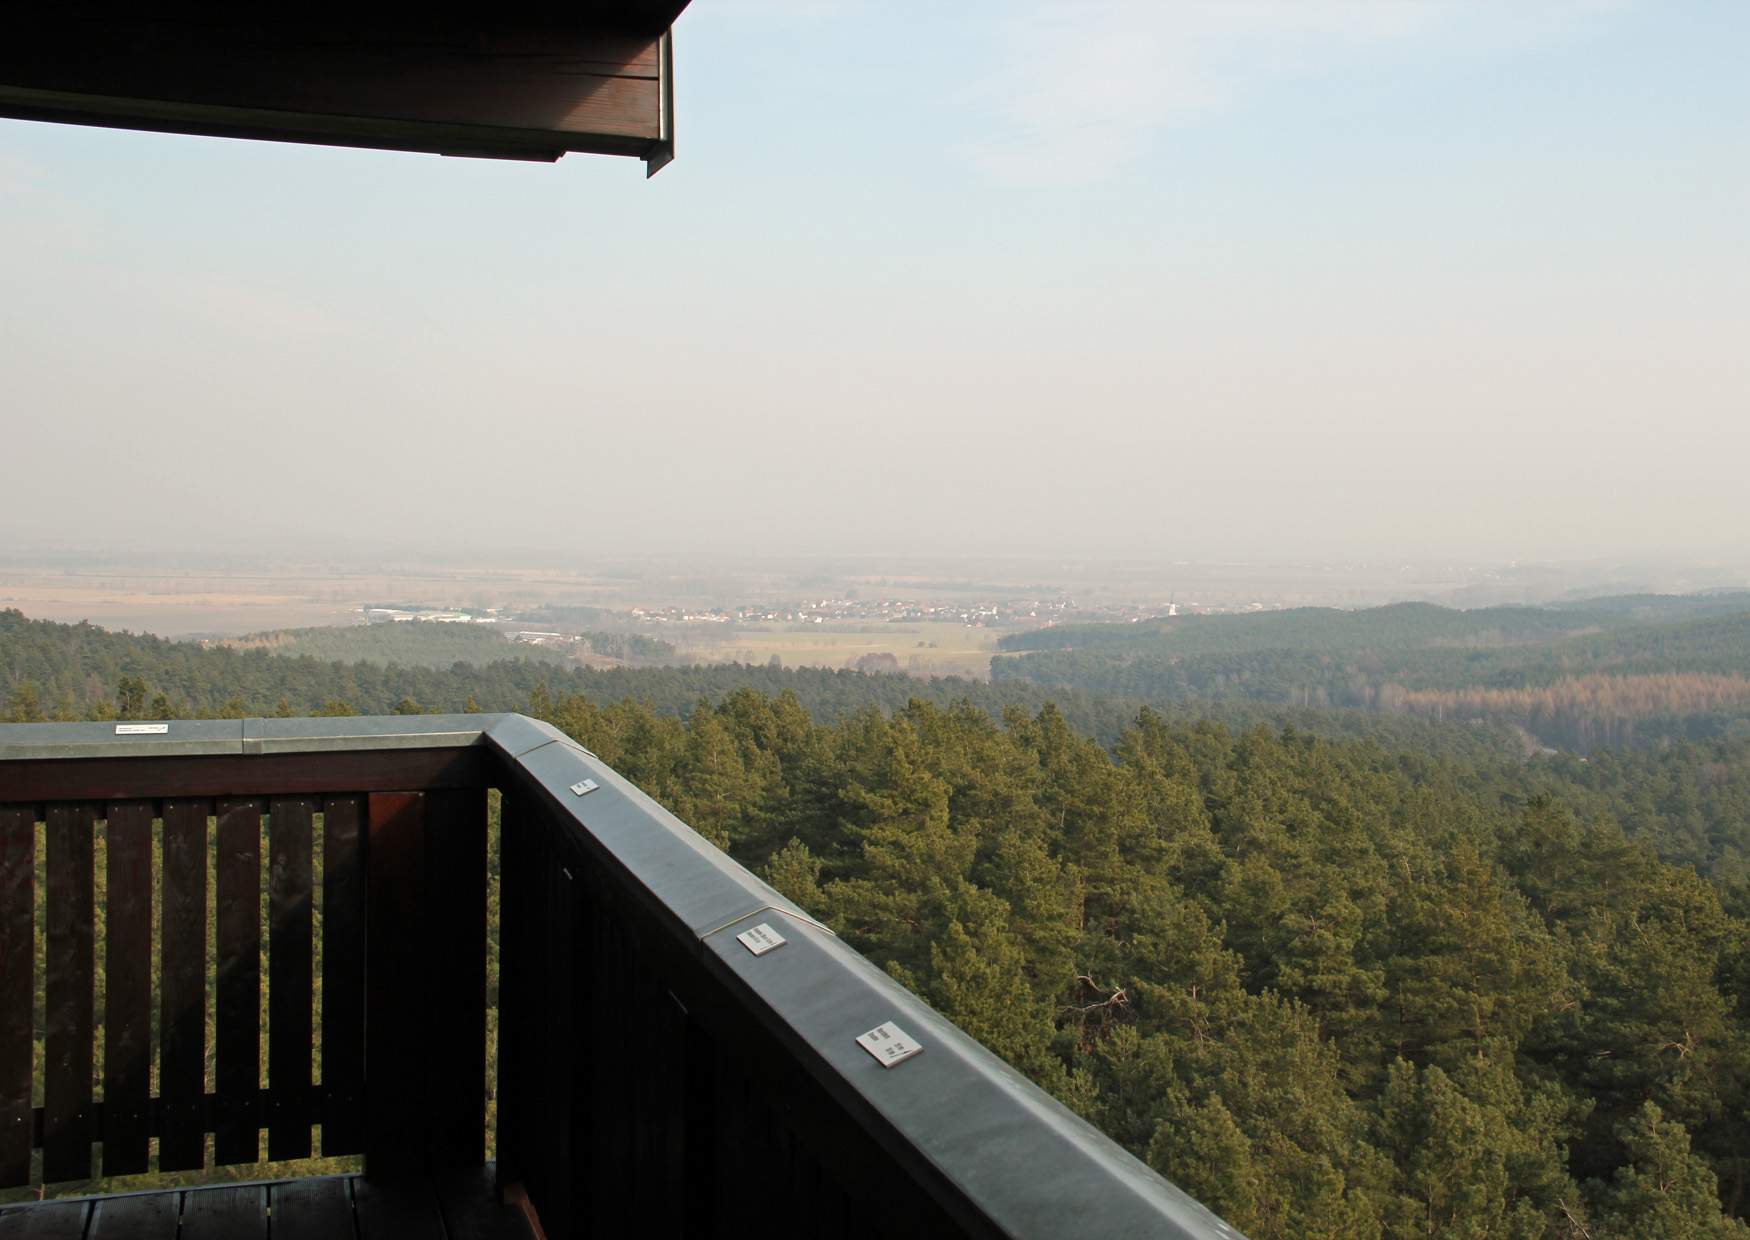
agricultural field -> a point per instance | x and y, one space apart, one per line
922 648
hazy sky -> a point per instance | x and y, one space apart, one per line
1312 277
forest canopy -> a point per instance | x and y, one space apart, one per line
1336 973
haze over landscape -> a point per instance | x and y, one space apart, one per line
1302 279
1205 539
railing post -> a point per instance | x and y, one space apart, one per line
537 1071
17 988
425 1017
455 946
394 985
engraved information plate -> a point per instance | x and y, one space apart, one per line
761 939
889 1044
584 785
142 729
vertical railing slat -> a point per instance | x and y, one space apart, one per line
70 968
535 1093
513 989
395 966
560 1191
127 1002
454 967
182 999
17 988
237 1030
290 994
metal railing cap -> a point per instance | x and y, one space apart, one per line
683 875
125 738
316 735
516 735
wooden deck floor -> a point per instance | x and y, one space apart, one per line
462 1207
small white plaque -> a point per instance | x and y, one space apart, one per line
142 729
761 939
584 785
889 1044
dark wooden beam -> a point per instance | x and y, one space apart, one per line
356 770
505 89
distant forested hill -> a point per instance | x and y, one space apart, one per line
410 644
1397 626
1606 671
1323 630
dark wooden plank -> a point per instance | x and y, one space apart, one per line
609 1064
319 1208
237 1029
567 1092
357 770
397 1209
127 1002
395 970
182 996
290 993
519 990
455 947
145 1216
472 1210
343 976
48 1220
659 1100
67 1132
17 988
604 1157
700 1190
735 1131
237 1213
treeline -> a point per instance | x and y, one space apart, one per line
1411 653
78 671
629 647
1395 626
425 644
1332 989
1587 712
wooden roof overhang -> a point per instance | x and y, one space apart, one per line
595 78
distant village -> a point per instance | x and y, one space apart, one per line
1031 612
903 611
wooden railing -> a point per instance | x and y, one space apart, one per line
402 941
654 1075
